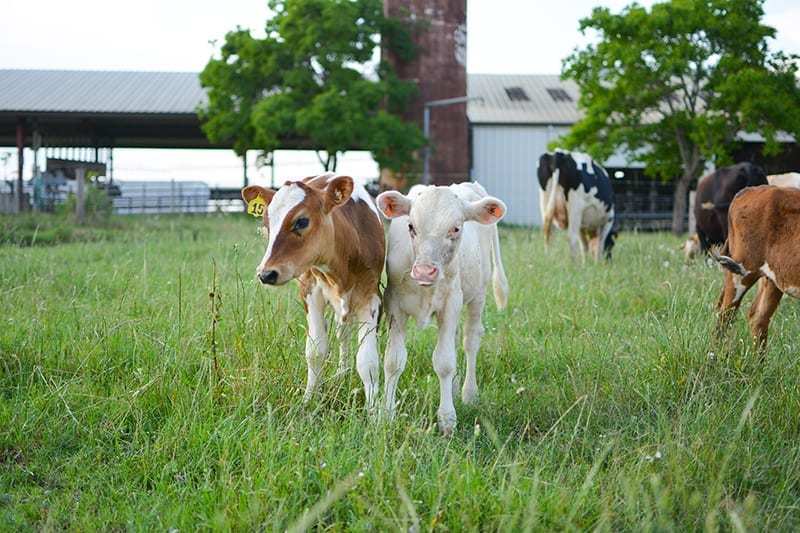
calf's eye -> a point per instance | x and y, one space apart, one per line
301 223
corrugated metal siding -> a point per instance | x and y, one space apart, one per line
100 92
505 160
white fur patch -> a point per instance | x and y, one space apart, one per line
286 199
360 193
794 292
583 159
768 272
740 289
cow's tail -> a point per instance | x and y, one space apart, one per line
725 261
499 280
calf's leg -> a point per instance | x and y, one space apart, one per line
367 355
396 356
473 333
762 309
345 334
444 364
733 291
316 338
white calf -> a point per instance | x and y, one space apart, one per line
438 260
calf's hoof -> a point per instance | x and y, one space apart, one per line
469 394
447 423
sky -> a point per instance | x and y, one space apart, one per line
503 37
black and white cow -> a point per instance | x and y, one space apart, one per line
575 193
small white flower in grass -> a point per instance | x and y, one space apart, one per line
477 430
655 457
513 378
323 464
666 264
520 390
361 475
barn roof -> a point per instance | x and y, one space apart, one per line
74 91
138 109
534 99
103 108
530 99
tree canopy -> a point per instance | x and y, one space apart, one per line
673 87
313 79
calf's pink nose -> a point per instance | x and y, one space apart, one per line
425 274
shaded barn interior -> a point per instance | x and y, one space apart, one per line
642 203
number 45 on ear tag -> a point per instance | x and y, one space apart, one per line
257 206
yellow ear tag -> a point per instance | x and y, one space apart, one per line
257 206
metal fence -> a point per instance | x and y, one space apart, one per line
151 197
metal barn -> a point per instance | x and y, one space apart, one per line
512 119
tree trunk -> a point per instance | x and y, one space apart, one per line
680 202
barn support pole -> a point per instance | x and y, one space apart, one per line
244 170
18 196
80 195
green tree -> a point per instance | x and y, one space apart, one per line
313 82
674 86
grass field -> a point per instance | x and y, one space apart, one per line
148 383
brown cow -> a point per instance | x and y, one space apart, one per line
326 233
763 225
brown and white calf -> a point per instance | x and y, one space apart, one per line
326 233
762 245
440 244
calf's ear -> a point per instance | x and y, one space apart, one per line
393 204
337 192
486 210
252 191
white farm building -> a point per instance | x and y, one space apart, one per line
512 119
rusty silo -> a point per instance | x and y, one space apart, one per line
440 73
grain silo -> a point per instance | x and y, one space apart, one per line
440 73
